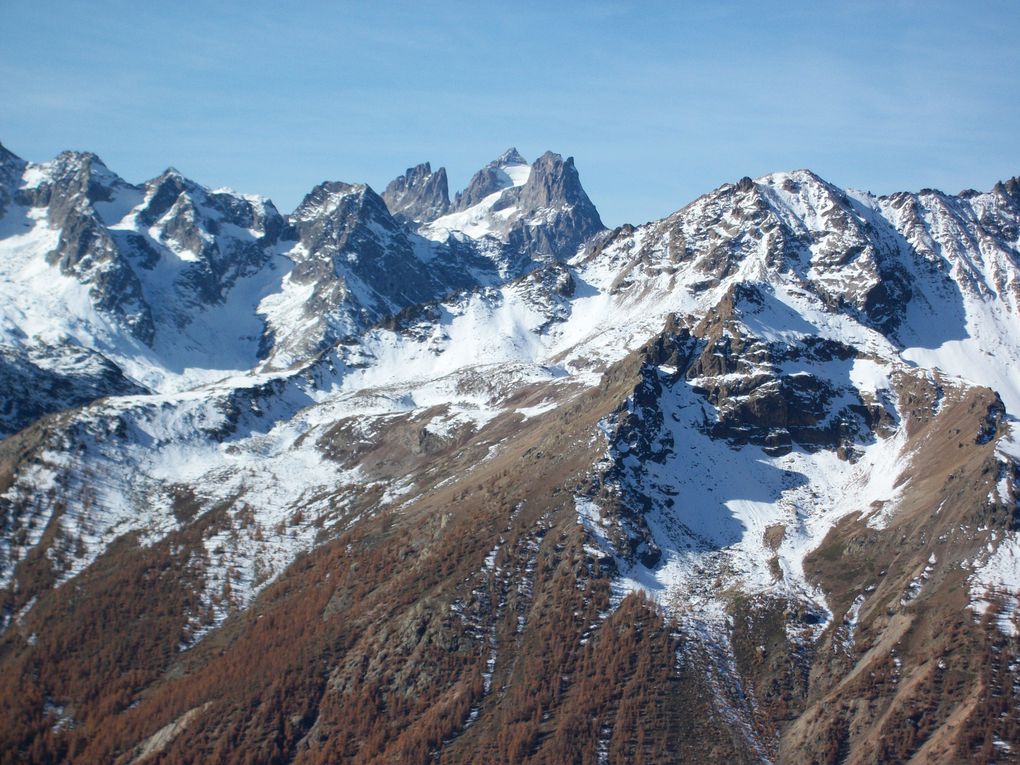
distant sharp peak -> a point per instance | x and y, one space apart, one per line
87 163
552 164
171 193
170 182
1009 189
553 181
7 156
415 174
330 199
508 170
790 181
73 171
171 174
509 158
538 211
334 190
419 195
170 190
174 178
174 181
73 158
66 161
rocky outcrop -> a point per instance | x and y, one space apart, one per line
87 250
225 236
553 196
361 265
11 169
39 382
490 179
419 195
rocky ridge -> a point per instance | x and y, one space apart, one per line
419 195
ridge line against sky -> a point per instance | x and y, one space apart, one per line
657 102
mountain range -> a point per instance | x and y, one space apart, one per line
405 478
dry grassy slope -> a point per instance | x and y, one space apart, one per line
920 681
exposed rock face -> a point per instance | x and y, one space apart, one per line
39 382
553 181
229 237
360 265
771 393
490 179
11 169
553 193
527 215
419 195
87 250
348 234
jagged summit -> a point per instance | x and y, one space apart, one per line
419 195
536 212
170 172
6 155
1009 189
509 158
11 169
554 181
508 170
326 197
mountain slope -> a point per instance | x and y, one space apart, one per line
503 486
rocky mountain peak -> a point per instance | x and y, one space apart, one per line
1009 189
80 161
419 195
339 200
554 182
162 192
88 170
191 215
11 169
509 157
72 179
334 217
553 194
535 213
504 172
8 158
170 173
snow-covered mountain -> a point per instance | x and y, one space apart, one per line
176 284
764 445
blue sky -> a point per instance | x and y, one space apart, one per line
657 102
